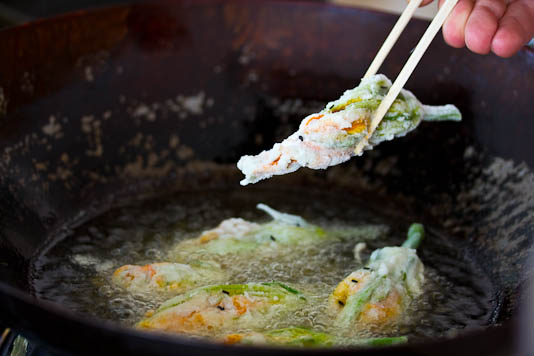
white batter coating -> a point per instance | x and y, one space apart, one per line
330 137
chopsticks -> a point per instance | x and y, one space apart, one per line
393 36
409 66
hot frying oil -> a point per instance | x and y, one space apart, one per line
76 270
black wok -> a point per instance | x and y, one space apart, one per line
71 139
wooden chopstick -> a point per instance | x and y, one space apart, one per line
393 37
408 69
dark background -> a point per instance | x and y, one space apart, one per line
14 12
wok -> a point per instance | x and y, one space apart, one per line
86 110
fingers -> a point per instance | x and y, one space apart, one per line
454 27
426 2
515 28
482 25
499 26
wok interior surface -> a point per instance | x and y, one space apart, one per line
77 269
119 102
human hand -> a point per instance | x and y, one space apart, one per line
484 26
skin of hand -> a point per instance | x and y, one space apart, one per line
484 26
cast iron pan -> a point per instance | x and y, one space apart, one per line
72 137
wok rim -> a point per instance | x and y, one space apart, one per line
57 310
129 3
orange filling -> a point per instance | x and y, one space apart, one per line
349 286
241 304
275 162
208 236
314 118
382 311
357 127
149 269
343 106
233 338
122 269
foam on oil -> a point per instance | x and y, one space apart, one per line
76 270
